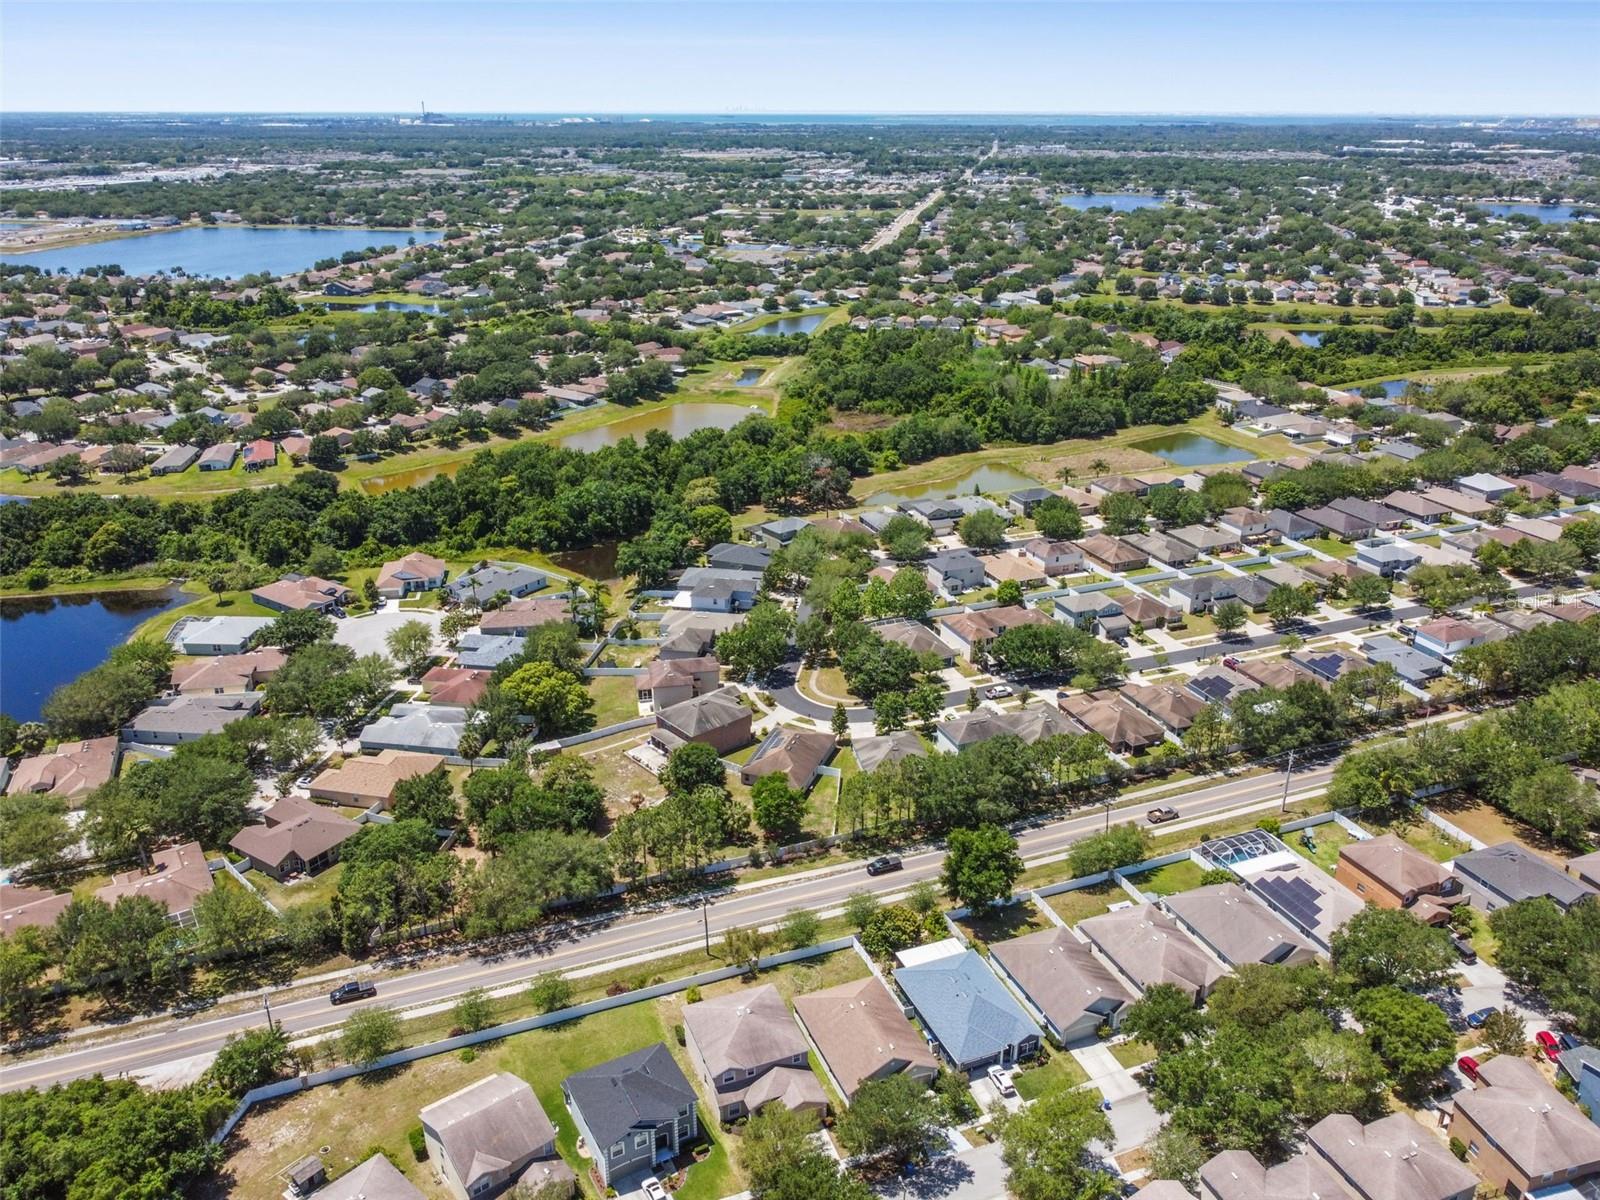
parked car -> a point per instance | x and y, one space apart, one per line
1231 663
1549 1043
1569 1041
998 692
1475 1020
883 864
354 990
1469 1067
652 1188
1162 812
1464 949
1001 1078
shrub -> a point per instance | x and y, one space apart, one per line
1271 824
692 996
550 991
677 1032
1458 1148
419 1144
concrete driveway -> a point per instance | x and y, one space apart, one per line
974 1174
1486 986
987 1095
366 635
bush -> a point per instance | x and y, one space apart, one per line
550 991
468 1054
1271 824
677 1032
1458 1148
692 996
419 1143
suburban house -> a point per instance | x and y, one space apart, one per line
175 879
1148 612
1125 729
971 632
1521 1134
716 589
1388 558
29 907
1457 502
1586 868
219 457
1053 558
1024 500
201 636
1172 706
1205 540
1011 567
490 579
968 1010
260 454
1237 927
796 754
375 1179
175 719
1392 1158
226 673
1302 894
915 637
1149 947
872 752
1248 525
1581 1065
1410 665
458 687
1158 547
862 1035
370 779
717 718
668 681
414 572
1114 554
1447 636
1392 873
488 1135
1072 990
1504 874
179 458
1381 516
71 770
954 572
1488 487
750 1053
1220 685
688 641
519 618
782 531
423 728
1292 525
1239 1175
731 556
297 837
633 1111
1031 724
1083 609
297 593
1201 593
1416 506
1338 523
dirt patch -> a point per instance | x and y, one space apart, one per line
1089 461
1491 827
860 422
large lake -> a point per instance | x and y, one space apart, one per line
46 641
1192 450
1550 214
221 251
990 478
1115 201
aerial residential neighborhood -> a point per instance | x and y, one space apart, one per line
807 633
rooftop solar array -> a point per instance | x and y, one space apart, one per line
1293 896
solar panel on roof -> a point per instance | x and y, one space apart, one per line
1294 896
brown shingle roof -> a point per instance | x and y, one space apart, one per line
1396 864
862 1033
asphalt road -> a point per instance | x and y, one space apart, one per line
170 1041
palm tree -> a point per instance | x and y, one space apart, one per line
1099 466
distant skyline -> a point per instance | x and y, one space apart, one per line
1312 57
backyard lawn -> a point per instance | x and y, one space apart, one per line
1491 827
1420 833
1062 1071
311 889
1170 879
1327 840
616 698
1330 546
1002 924
1085 902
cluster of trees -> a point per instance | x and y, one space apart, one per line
697 819
1516 761
1556 954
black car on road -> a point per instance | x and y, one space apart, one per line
884 863
354 990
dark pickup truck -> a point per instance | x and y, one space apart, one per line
353 990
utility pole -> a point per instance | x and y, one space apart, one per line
1108 816
266 1002
705 923
1287 773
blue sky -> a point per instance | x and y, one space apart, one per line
1059 56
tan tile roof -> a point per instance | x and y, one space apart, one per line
862 1032
71 769
373 777
178 876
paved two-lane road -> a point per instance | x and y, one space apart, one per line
168 1042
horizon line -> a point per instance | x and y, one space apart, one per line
842 112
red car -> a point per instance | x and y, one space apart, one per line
1549 1043
1469 1067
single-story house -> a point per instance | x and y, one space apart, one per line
424 728
375 1179
219 457
414 572
1171 705
1148 612
1125 728
1202 593
370 779
1489 487
1586 869
1073 991
1501 875
29 908
1158 547
1292 525
71 770
633 1111
1338 523
975 1020
750 1053
731 556
1221 685
519 618
1149 947
796 754
176 719
225 673
861 1035
175 879
202 636
1031 724
490 579
298 593
1387 558
1381 516
1458 502
782 531
1011 567
1416 506
459 687
1206 540
179 458
914 636
1390 1159
297 837
1237 927
714 589
1410 665
872 752
971 632
486 651
1113 553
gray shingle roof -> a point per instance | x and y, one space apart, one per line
644 1088
965 1006
1520 874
